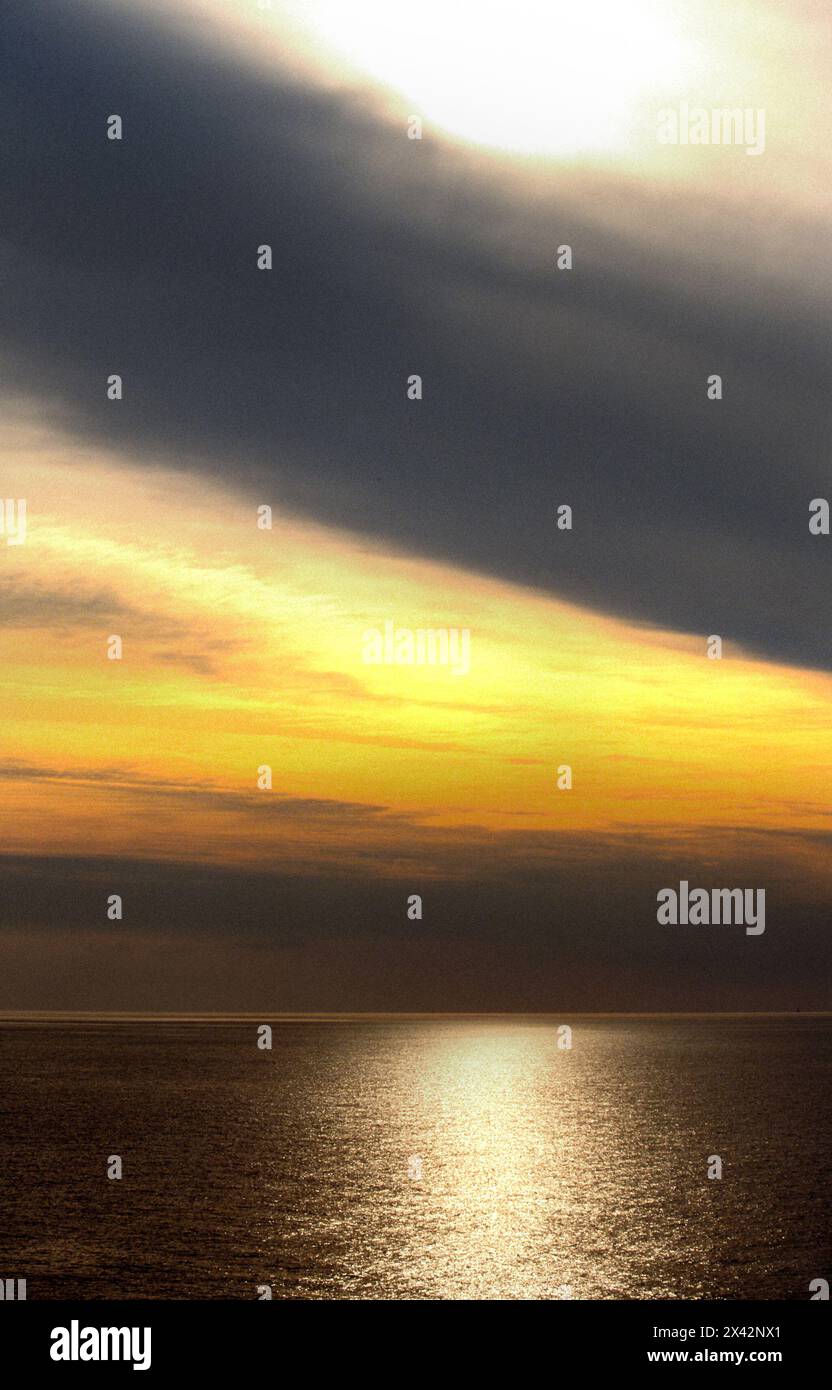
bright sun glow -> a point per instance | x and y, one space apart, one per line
538 77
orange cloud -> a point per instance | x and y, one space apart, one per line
245 648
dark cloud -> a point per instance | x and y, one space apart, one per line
562 937
29 605
197 795
393 257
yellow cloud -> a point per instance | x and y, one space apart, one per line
245 647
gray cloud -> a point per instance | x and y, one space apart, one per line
28 605
562 937
198 794
393 257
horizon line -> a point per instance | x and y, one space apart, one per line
405 1015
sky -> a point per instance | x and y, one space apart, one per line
244 647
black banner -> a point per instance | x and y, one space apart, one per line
167 1339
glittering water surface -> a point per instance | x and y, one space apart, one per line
541 1167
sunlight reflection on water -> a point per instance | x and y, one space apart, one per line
543 1170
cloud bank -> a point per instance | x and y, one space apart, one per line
393 257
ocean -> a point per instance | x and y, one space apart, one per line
416 1158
